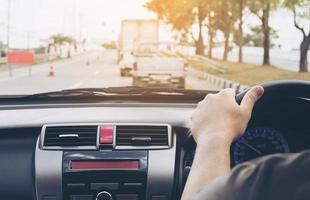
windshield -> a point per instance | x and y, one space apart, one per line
54 45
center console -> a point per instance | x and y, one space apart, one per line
104 175
97 161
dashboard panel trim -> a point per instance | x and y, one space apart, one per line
81 105
97 147
161 168
48 173
175 116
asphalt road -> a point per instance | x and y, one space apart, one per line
88 70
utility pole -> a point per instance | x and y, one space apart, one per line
81 27
28 40
8 37
8 24
74 17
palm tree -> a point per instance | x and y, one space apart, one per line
60 39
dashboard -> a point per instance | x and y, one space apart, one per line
260 141
63 155
131 151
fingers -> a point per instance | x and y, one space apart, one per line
228 92
251 97
229 95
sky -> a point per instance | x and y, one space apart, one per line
33 21
93 18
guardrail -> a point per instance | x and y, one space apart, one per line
211 63
218 81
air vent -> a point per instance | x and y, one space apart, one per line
70 136
143 136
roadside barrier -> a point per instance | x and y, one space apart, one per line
211 63
218 81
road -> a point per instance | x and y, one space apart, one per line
102 71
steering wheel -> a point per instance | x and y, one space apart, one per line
280 90
284 104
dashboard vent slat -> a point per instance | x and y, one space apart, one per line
135 135
70 136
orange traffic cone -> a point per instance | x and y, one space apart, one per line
51 72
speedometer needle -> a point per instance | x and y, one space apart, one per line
251 147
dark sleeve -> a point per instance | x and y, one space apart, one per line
280 176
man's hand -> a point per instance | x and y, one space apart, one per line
217 121
220 116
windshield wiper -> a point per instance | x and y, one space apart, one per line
112 94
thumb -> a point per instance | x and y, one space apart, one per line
251 97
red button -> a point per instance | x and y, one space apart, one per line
106 135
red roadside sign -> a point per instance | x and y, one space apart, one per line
20 58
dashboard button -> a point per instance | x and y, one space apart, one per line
127 197
76 186
104 195
106 135
132 184
159 197
101 186
81 197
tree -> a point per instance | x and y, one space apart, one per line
201 12
3 49
182 15
246 38
61 39
257 38
301 11
110 45
262 8
211 25
240 7
225 20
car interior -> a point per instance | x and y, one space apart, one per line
108 100
129 146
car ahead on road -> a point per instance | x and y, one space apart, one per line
127 64
128 142
159 71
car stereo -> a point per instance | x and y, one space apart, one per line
104 175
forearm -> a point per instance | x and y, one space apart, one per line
212 160
216 122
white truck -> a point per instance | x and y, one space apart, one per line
140 38
154 70
159 72
133 33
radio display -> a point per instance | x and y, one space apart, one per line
105 165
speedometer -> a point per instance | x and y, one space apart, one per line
258 142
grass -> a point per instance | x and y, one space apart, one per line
203 67
249 74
